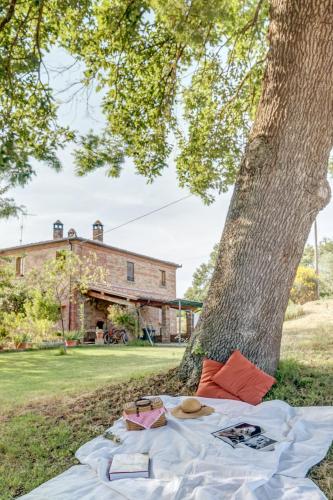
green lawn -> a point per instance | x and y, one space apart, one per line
32 375
48 409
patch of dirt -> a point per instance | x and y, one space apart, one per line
105 404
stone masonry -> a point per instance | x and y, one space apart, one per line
146 282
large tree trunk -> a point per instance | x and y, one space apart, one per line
282 184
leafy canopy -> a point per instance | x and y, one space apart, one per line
184 71
305 284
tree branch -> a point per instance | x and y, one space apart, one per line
37 37
243 29
252 21
9 15
240 85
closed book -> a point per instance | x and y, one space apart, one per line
126 465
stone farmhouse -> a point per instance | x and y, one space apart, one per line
132 280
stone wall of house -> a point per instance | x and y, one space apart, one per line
147 272
94 311
152 317
33 258
147 280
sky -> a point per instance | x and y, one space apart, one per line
184 233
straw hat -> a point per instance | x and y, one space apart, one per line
191 408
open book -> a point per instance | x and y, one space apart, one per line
125 465
245 434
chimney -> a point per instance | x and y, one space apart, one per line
72 233
98 231
58 230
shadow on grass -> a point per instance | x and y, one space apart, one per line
38 444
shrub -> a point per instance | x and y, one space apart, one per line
4 340
30 314
20 339
16 326
42 306
62 351
73 335
41 329
305 285
293 311
123 318
13 324
139 343
326 275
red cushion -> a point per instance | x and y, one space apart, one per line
209 389
242 378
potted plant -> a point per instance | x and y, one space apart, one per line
72 338
22 341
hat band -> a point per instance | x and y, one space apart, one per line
192 411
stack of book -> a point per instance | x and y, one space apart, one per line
126 465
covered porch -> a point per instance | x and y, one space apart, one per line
165 321
184 310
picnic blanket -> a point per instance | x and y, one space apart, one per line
188 463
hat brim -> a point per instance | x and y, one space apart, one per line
203 412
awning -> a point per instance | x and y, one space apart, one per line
185 304
107 298
116 297
110 295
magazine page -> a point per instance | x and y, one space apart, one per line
260 442
238 433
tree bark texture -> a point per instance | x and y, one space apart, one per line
281 186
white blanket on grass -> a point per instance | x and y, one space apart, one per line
188 463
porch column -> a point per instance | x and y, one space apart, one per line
165 323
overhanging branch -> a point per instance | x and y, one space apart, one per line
9 15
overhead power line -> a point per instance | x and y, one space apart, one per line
148 213
143 215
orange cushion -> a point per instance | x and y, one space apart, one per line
209 389
242 378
